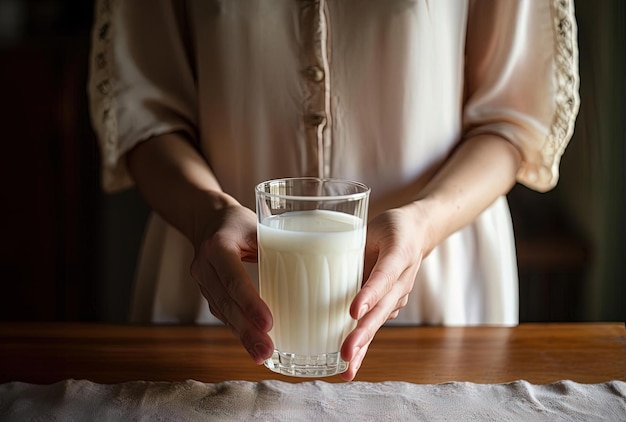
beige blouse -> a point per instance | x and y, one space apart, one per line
375 91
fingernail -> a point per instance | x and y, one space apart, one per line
362 311
355 351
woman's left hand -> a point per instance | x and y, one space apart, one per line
396 244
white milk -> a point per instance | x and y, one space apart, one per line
310 269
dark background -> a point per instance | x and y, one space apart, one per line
68 250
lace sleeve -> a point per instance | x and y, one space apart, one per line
102 101
141 82
522 81
567 85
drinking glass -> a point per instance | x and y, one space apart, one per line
311 237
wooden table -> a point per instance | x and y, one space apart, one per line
44 353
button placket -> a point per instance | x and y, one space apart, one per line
314 73
316 106
315 119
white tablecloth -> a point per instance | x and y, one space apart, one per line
82 400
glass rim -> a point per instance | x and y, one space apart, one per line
349 196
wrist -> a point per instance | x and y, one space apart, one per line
207 212
426 214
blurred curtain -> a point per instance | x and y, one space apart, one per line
593 182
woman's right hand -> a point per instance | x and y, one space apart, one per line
227 241
177 182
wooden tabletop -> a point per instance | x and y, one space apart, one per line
44 353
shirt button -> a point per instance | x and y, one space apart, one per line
315 119
314 73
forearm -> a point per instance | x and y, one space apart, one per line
478 172
177 183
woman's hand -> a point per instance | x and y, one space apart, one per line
394 250
229 239
481 169
177 182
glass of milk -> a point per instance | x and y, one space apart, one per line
311 237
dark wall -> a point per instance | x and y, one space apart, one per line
49 170
68 250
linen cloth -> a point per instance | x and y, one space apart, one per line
376 91
316 400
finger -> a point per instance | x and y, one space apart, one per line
371 256
238 288
401 304
214 311
368 326
355 363
387 272
255 341
383 277
386 309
